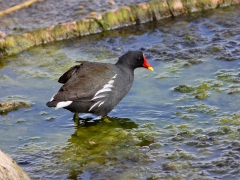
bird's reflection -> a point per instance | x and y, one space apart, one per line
97 144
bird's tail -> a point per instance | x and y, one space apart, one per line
52 103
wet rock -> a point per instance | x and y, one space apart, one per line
10 170
2 34
6 107
184 88
111 2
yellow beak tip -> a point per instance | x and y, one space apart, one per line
150 68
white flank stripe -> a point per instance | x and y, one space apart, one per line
97 97
94 105
111 82
103 90
107 86
63 104
74 71
101 103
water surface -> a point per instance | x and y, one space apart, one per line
179 122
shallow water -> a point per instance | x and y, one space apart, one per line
46 13
179 122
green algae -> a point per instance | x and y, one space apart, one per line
14 44
82 28
38 36
227 75
201 91
125 16
111 19
139 14
201 94
183 126
93 27
202 108
158 9
59 32
178 154
233 119
6 107
101 23
184 88
144 148
101 142
13 103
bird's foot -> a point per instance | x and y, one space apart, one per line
76 118
106 119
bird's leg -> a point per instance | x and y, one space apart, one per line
106 119
76 118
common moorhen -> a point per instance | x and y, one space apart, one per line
93 87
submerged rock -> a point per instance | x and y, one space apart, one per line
10 170
6 107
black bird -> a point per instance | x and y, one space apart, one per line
96 88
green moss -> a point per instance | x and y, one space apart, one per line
204 86
6 107
18 28
227 75
236 122
204 4
197 131
39 36
216 48
185 156
162 76
124 16
103 24
83 27
22 42
183 126
189 38
189 117
189 5
94 27
148 125
10 42
234 119
158 9
171 126
169 166
226 129
111 20
178 113
225 120
203 108
15 43
236 115
184 88
201 94
59 32
139 14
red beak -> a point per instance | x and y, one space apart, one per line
146 64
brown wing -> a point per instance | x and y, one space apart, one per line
83 81
67 75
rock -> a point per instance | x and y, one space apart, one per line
2 34
93 14
6 107
111 2
9 170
